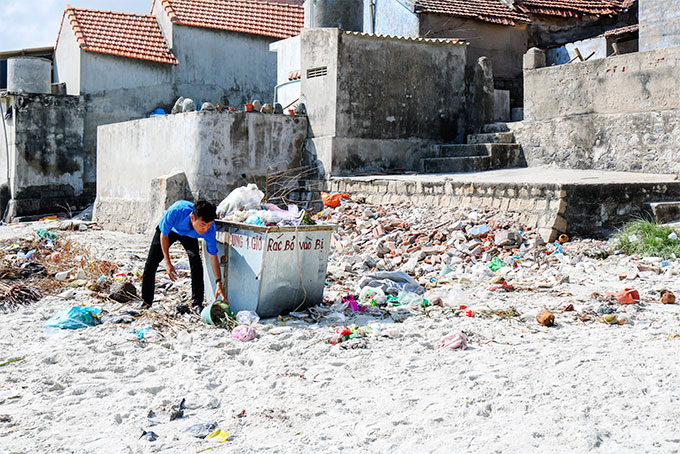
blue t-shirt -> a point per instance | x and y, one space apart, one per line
177 218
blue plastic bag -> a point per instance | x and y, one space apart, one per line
74 318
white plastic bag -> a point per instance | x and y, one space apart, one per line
243 198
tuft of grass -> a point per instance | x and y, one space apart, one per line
648 239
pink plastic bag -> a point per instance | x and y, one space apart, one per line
244 333
452 341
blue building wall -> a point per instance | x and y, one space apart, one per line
392 17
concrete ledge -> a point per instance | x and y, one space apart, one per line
554 201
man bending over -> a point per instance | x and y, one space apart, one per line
183 222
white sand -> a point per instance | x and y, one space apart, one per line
520 387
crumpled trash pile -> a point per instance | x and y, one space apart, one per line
244 204
404 256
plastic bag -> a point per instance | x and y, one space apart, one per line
373 296
74 318
244 333
243 198
391 282
453 341
247 317
332 200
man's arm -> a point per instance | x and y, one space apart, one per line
217 272
165 247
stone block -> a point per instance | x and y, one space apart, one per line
560 224
533 59
526 205
541 205
165 190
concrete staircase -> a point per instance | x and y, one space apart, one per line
494 148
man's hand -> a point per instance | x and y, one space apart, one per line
172 274
219 293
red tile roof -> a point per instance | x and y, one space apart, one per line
122 34
497 12
571 8
621 31
276 19
484 10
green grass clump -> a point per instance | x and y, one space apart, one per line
648 239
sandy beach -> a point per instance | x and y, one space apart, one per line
519 387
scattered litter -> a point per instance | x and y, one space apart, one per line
453 341
201 430
148 436
545 318
628 296
244 333
247 317
177 410
219 436
332 200
75 318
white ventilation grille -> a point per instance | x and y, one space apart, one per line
321 71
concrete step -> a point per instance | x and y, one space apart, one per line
456 165
488 156
663 212
491 137
460 150
495 127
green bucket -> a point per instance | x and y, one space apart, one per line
215 312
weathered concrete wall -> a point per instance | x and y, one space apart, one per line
640 142
319 49
501 44
618 113
287 61
45 135
659 24
641 82
359 123
424 98
215 150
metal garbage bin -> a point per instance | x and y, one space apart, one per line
270 270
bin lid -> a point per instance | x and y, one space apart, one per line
221 225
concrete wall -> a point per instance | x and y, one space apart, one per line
640 82
352 105
501 44
215 66
618 113
287 61
119 89
659 24
213 149
6 127
67 61
45 135
214 63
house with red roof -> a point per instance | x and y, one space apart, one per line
127 65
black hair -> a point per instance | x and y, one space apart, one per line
204 211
